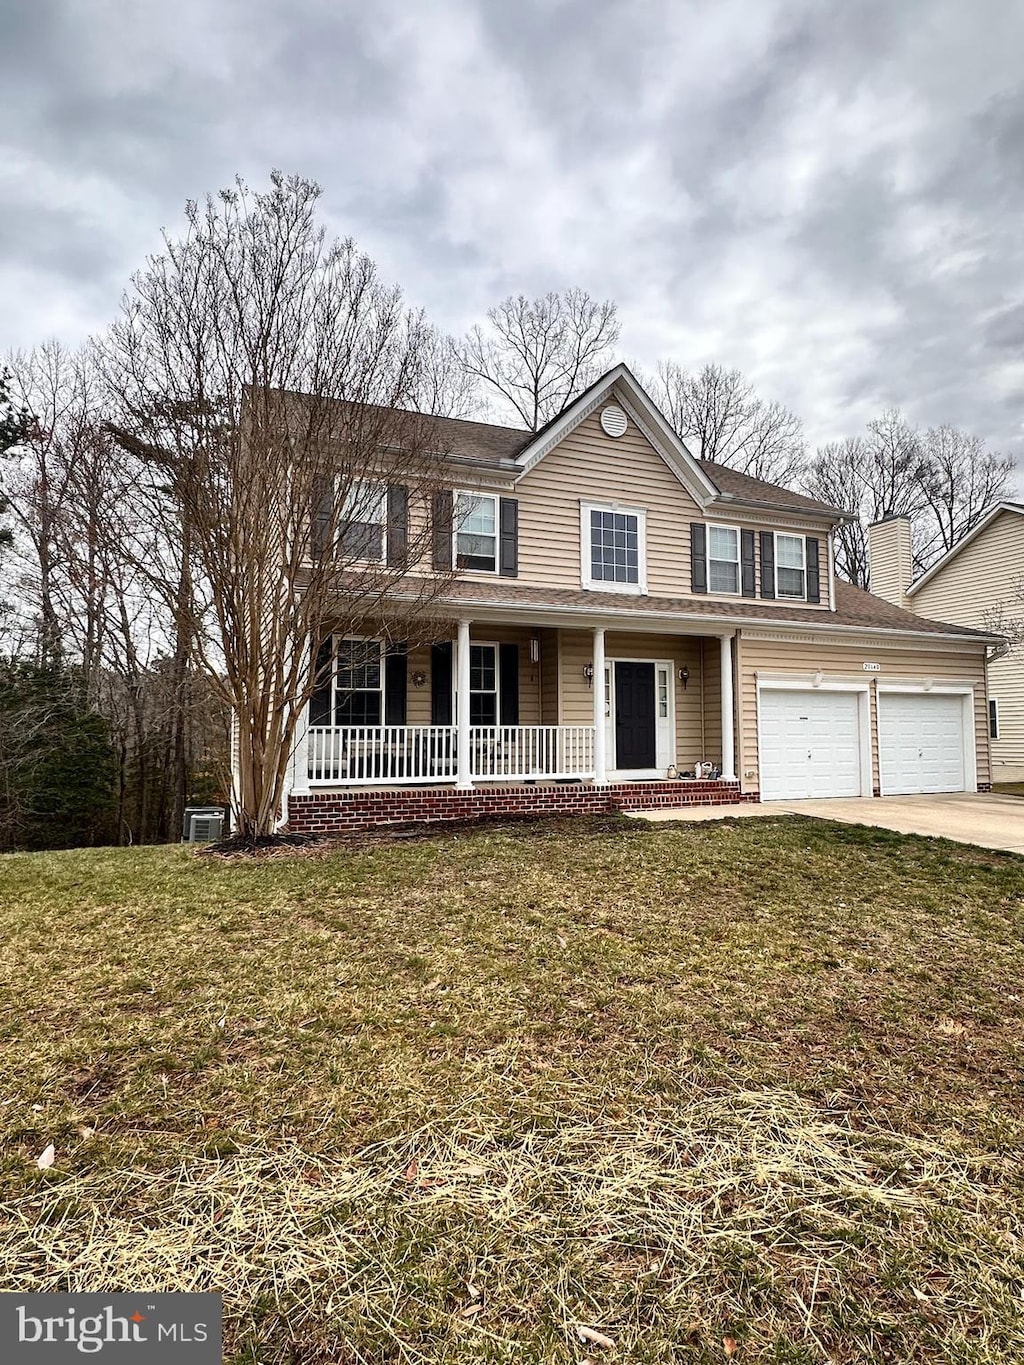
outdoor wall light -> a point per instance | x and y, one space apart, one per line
684 676
588 673
534 649
818 678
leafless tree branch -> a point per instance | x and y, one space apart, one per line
539 354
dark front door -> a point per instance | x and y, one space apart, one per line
634 716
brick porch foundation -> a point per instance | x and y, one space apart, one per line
341 812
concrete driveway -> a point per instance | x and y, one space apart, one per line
990 821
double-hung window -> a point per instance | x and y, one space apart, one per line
362 517
723 559
476 532
790 567
483 685
358 683
613 550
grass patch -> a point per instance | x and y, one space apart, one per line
449 1100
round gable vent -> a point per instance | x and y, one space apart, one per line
613 421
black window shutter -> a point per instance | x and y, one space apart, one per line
508 553
508 684
322 517
698 557
767 564
398 526
320 701
395 685
748 585
813 578
441 683
443 512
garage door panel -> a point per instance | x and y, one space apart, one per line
921 743
810 744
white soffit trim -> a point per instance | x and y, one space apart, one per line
952 553
649 420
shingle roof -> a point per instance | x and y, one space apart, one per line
479 440
488 444
854 608
482 442
759 490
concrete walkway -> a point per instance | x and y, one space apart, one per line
990 821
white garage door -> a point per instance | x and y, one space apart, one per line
810 744
921 743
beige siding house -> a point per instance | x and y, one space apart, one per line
631 625
976 583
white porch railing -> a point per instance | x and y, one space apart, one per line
518 751
374 754
381 753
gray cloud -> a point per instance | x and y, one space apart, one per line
826 196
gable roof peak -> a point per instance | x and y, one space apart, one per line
621 384
1016 508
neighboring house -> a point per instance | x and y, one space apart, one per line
623 612
976 583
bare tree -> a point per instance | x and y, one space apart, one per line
838 475
962 482
877 475
52 386
717 411
88 607
263 376
943 482
539 354
12 429
445 388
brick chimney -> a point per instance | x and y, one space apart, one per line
891 560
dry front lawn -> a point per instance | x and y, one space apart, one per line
746 1089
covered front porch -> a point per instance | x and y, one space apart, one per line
522 703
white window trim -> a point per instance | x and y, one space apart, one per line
493 646
487 644
965 691
383 523
639 588
993 715
356 639
785 596
494 498
722 592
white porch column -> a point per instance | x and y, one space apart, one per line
600 755
463 778
728 731
299 763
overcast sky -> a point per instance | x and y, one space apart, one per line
828 196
